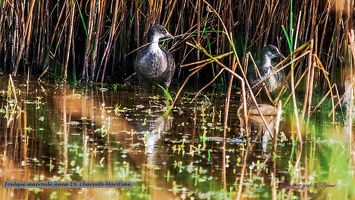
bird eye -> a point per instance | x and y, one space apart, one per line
162 30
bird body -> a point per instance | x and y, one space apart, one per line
274 81
154 64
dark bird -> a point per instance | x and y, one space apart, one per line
275 81
154 64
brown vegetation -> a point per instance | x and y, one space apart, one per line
95 40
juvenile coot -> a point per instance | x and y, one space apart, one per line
154 64
275 81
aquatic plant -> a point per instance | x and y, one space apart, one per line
68 41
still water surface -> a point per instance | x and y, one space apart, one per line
114 135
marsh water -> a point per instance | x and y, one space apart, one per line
115 136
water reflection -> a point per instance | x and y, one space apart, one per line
264 118
98 134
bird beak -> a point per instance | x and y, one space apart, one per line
281 55
168 35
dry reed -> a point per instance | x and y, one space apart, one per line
91 41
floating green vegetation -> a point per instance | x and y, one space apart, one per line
102 131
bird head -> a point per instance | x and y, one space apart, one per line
272 51
157 32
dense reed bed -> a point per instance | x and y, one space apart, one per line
96 40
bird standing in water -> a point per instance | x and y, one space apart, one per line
275 81
154 64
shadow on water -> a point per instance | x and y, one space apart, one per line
117 134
